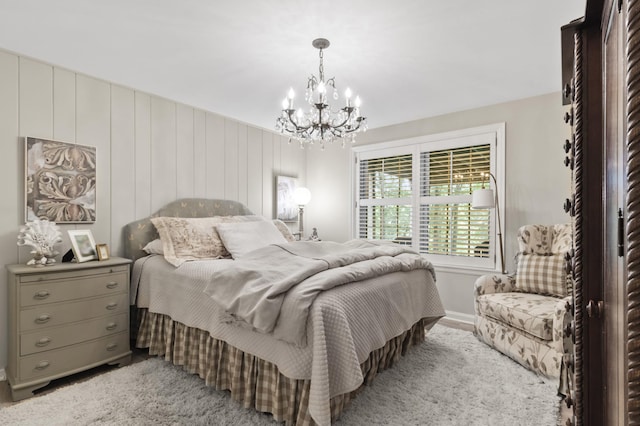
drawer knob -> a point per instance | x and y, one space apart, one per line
43 342
112 284
42 319
41 295
42 365
111 306
112 326
112 346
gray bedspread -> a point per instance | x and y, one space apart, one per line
253 288
344 325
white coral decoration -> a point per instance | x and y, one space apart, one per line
42 235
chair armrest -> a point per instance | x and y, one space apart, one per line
489 284
561 319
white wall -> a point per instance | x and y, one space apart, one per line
150 151
537 182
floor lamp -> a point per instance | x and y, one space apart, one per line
485 198
301 197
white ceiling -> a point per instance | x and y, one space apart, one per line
407 59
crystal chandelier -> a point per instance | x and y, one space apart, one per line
320 123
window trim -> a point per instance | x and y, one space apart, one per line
434 142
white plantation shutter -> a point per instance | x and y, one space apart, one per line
385 195
419 194
448 224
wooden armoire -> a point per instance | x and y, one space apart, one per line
601 89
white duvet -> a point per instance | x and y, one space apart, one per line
254 289
344 324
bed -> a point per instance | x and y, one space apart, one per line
350 333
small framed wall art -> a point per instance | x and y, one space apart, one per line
286 210
83 244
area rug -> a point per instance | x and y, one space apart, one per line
451 379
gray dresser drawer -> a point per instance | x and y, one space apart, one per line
70 358
51 291
58 337
40 317
51 273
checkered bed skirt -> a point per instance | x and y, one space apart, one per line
252 381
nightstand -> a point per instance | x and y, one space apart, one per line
64 319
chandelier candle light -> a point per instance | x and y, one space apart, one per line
320 123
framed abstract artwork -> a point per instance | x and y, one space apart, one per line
286 210
60 181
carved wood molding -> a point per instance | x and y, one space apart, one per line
633 209
577 228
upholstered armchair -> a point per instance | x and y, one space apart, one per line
523 315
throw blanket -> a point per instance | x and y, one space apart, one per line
253 288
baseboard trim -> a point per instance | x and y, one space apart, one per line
3 375
460 317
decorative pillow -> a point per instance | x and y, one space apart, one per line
284 229
154 247
195 238
186 239
241 238
541 275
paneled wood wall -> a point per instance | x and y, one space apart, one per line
150 151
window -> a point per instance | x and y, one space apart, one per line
418 192
386 192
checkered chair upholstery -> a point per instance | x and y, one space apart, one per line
523 315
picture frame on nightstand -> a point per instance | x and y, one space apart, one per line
103 251
83 245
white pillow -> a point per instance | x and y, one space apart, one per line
193 238
243 237
286 232
154 247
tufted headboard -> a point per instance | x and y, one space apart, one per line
137 234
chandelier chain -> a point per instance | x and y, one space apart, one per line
321 67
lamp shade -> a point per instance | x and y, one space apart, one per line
483 199
301 196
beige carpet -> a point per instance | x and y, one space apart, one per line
451 379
